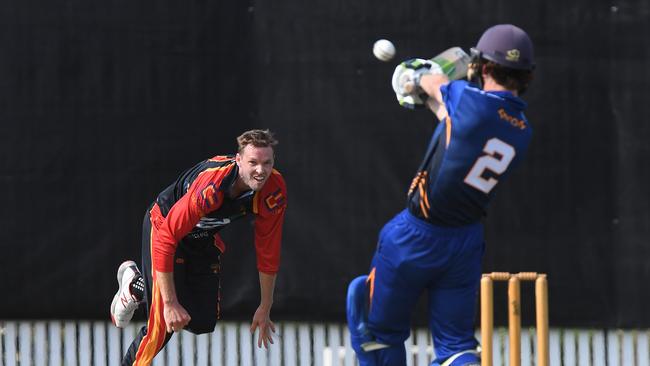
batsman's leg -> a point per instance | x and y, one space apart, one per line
357 314
465 358
452 303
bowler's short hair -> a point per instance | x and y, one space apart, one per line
257 138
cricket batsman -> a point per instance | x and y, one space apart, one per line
436 245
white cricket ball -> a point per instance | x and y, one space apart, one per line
384 50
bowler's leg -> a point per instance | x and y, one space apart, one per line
153 337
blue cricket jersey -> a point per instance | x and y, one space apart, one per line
483 138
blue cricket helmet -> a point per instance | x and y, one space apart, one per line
506 45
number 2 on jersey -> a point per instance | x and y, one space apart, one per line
492 162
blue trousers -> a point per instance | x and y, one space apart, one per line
412 257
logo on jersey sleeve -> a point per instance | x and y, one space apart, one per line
209 198
274 201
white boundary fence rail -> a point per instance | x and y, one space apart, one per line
68 343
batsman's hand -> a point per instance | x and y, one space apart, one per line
176 317
406 81
262 320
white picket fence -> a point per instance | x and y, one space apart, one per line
67 343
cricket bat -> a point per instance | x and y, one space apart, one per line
453 62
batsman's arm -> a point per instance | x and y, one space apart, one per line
415 77
430 84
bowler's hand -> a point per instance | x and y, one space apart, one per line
262 320
176 317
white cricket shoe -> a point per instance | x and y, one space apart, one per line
124 303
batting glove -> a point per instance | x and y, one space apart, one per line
406 81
